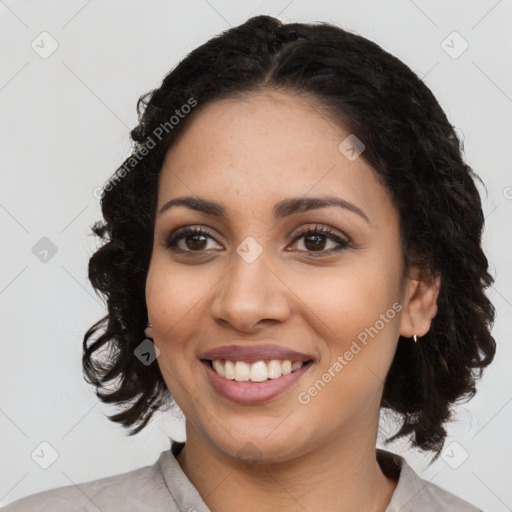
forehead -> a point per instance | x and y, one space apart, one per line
264 147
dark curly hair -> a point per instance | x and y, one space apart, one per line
415 153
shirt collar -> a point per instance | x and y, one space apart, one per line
393 466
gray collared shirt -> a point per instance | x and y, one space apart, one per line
164 487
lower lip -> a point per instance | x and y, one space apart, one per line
247 392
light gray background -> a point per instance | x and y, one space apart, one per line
64 130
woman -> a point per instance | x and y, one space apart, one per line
298 237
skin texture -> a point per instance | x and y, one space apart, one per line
314 456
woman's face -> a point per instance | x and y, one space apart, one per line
252 287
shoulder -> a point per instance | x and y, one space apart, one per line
431 497
140 490
414 494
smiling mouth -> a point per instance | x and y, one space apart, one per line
259 371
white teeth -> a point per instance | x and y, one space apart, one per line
257 372
242 371
274 369
229 369
217 365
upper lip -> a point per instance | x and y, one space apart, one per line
253 353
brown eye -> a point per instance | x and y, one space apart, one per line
314 242
189 240
195 242
317 240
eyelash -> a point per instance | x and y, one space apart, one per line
172 240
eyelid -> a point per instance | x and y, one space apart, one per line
318 228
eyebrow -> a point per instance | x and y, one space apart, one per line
283 209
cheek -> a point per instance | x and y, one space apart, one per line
356 312
173 298
343 302
170 301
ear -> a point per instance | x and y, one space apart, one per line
419 303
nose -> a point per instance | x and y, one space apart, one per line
251 294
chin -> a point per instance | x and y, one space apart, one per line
261 445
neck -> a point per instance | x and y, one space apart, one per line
337 475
